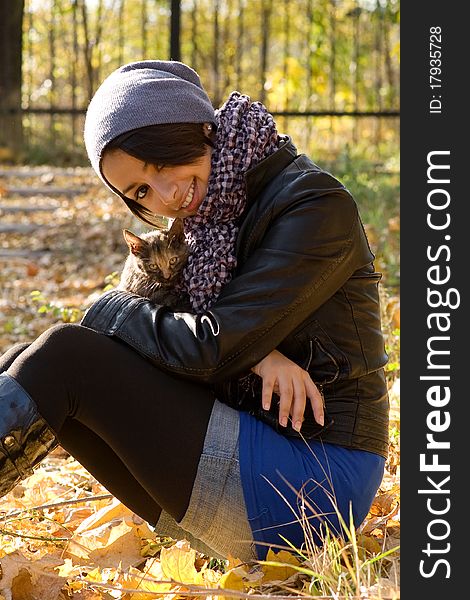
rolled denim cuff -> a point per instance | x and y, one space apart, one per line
167 526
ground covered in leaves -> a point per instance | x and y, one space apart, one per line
62 535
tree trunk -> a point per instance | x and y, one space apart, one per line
388 59
52 69
332 73
239 45
266 10
73 71
121 33
11 44
144 27
175 33
215 53
87 51
286 55
194 35
378 69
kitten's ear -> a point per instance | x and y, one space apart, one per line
176 231
136 244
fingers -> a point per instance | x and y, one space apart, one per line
286 391
293 397
267 393
293 385
316 400
298 405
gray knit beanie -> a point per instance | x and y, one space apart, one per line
149 92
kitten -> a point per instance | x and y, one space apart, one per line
154 265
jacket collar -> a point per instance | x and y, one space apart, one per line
257 177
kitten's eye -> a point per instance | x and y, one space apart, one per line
141 192
153 266
173 260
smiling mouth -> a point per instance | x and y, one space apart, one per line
190 195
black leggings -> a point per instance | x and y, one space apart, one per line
136 429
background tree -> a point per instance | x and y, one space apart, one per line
11 36
306 58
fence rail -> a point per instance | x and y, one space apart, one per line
281 113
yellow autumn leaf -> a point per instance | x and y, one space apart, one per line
241 578
207 578
178 562
232 561
233 579
140 580
276 567
114 510
94 575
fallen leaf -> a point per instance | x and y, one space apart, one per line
107 544
113 510
369 543
241 578
233 579
178 562
138 580
30 580
32 269
279 569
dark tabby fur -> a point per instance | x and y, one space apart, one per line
154 264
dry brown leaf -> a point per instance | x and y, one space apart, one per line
369 543
386 503
30 580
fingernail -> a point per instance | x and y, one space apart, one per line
284 421
321 420
297 425
265 406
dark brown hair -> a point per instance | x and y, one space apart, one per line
172 144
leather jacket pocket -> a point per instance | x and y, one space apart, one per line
324 361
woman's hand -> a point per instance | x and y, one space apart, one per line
293 386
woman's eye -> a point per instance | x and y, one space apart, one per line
141 192
173 260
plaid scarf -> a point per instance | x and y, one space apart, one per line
246 134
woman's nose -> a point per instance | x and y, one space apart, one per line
168 192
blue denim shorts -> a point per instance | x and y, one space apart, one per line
216 521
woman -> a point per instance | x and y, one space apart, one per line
174 412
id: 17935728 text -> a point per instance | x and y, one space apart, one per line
435 69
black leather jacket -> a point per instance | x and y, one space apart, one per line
304 284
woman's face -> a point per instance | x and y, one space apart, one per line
167 191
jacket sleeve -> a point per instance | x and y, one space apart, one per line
307 253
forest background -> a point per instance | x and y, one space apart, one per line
328 70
